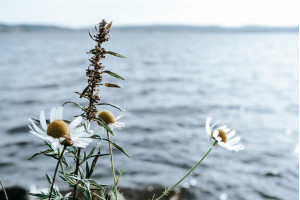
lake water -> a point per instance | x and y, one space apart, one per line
174 80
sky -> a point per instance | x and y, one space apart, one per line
83 13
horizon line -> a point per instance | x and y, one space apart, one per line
153 25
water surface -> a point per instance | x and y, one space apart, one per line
174 80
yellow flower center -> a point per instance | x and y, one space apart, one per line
222 135
107 117
57 129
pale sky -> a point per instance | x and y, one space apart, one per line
83 13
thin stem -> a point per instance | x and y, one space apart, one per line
54 176
76 172
3 190
112 166
171 188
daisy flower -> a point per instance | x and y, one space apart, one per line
110 120
223 137
59 132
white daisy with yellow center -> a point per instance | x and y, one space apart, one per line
58 131
110 120
223 137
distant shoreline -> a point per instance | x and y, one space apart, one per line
165 28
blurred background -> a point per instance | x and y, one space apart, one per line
236 62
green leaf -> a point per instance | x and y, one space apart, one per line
84 154
42 195
67 196
87 186
118 147
85 89
49 178
109 104
73 103
67 181
87 170
113 74
96 137
86 125
48 144
42 152
115 54
48 121
104 154
94 183
103 124
86 157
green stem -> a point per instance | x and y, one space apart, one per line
171 188
112 166
76 171
54 176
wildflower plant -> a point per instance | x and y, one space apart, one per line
218 137
64 138
69 138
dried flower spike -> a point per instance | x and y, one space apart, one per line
94 71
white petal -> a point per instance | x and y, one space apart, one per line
43 121
56 145
84 140
118 125
214 124
207 127
216 133
59 113
77 131
225 145
80 144
49 138
46 137
38 135
234 141
232 133
52 114
111 126
226 130
238 147
119 117
81 135
37 129
222 144
75 122
222 127
219 139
